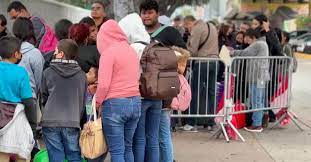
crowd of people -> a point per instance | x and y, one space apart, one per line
60 71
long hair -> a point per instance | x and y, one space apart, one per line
222 35
24 30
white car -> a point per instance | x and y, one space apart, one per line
299 41
303 44
307 48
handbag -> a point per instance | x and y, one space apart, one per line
92 141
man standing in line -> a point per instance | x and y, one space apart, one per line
45 36
98 13
203 42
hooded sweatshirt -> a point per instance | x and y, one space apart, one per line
33 62
258 69
63 90
136 33
118 67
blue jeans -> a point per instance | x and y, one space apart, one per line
146 139
62 143
120 117
257 97
165 138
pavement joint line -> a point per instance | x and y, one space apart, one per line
262 147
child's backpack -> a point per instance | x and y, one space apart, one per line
48 41
183 100
159 79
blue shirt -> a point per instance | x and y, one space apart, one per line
14 83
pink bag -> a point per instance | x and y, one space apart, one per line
233 118
182 101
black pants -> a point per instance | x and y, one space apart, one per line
203 86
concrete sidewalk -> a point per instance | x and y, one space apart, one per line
280 145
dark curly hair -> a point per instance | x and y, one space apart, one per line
261 18
62 29
149 5
17 6
253 33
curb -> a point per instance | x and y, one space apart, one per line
303 56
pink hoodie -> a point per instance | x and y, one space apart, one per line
182 101
119 65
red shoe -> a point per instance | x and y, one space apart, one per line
254 129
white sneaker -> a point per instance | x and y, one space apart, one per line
187 127
254 129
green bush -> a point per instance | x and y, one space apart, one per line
303 22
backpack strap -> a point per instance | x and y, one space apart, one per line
209 32
142 42
158 31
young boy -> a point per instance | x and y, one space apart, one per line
15 89
63 92
92 78
258 75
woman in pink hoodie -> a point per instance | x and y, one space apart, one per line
118 90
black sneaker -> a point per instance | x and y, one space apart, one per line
265 120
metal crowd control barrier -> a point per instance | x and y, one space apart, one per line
258 83
271 76
203 75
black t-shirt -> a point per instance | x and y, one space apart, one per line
3 33
88 57
170 37
274 45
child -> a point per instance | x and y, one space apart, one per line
181 102
92 78
258 70
32 61
63 93
16 136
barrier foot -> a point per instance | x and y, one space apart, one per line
278 121
221 131
295 119
236 131
224 132
217 133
